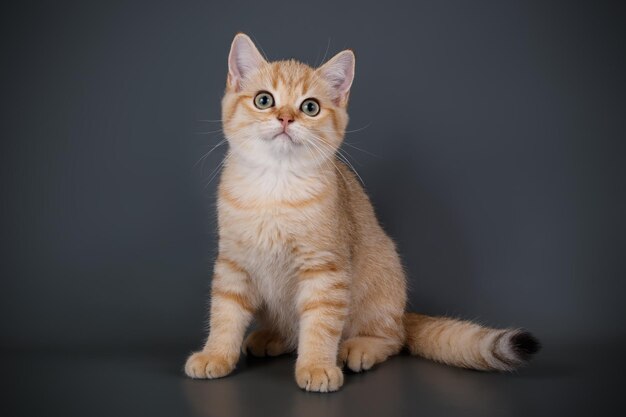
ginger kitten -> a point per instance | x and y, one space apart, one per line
300 248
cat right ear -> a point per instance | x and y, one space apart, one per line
244 59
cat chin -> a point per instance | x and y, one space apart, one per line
276 152
283 144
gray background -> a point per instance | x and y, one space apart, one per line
493 133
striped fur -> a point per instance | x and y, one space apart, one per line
468 345
300 249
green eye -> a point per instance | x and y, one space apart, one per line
310 107
263 100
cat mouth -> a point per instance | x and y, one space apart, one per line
283 136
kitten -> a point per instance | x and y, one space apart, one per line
300 248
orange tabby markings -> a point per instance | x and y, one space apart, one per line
327 329
328 267
310 253
323 304
340 286
237 298
254 205
231 264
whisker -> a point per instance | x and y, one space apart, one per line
347 131
322 153
256 41
209 132
219 167
310 151
325 53
359 149
342 157
215 172
209 152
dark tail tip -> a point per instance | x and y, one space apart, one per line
525 344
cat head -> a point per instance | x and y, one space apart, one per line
285 112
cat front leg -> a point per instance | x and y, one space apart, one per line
233 304
323 302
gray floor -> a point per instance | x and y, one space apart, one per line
563 380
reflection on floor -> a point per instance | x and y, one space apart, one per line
561 381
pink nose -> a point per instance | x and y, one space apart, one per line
285 119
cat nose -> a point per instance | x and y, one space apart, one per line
285 119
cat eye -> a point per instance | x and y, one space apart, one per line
263 100
310 107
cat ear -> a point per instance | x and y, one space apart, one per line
339 73
243 59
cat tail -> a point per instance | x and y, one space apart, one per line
468 345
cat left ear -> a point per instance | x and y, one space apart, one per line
339 73
244 59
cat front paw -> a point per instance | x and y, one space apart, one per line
207 365
319 378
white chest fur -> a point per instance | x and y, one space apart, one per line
263 217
